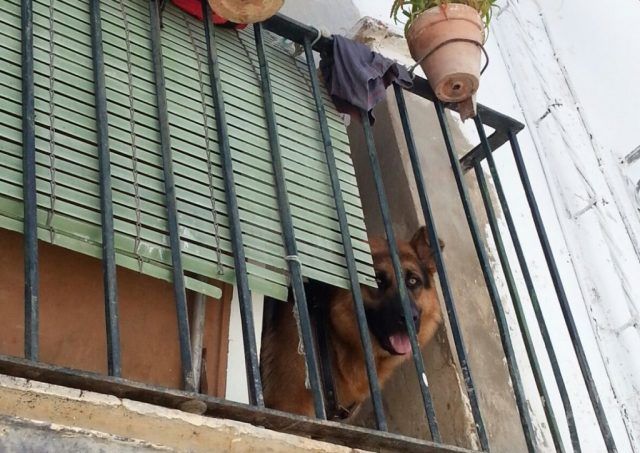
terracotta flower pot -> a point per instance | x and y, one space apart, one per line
246 11
448 38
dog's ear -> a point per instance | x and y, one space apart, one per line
421 244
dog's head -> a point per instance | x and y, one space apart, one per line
383 306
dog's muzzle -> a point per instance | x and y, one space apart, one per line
388 324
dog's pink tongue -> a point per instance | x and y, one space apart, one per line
400 343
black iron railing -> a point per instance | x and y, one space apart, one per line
31 299
239 260
114 364
505 131
179 290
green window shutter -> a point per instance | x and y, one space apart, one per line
67 162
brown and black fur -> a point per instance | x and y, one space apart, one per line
283 369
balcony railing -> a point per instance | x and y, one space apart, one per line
505 131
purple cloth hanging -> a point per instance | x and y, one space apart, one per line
357 78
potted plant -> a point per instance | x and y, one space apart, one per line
246 11
446 37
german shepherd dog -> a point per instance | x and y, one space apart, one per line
283 368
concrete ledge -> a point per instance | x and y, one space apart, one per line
18 435
95 418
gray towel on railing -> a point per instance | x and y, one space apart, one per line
357 77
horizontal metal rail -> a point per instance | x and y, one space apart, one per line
297 32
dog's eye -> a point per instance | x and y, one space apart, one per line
381 280
412 281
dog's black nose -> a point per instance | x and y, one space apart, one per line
415 315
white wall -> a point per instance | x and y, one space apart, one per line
570 70
237 389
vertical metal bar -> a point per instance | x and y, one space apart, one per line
170 199
288 232
546 338
562 297
321 311
515 297
198 319
397 269
501 320
31 293
374 385
244 294
456 331
106 204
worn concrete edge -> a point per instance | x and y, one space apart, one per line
153 425
20 434
328 431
